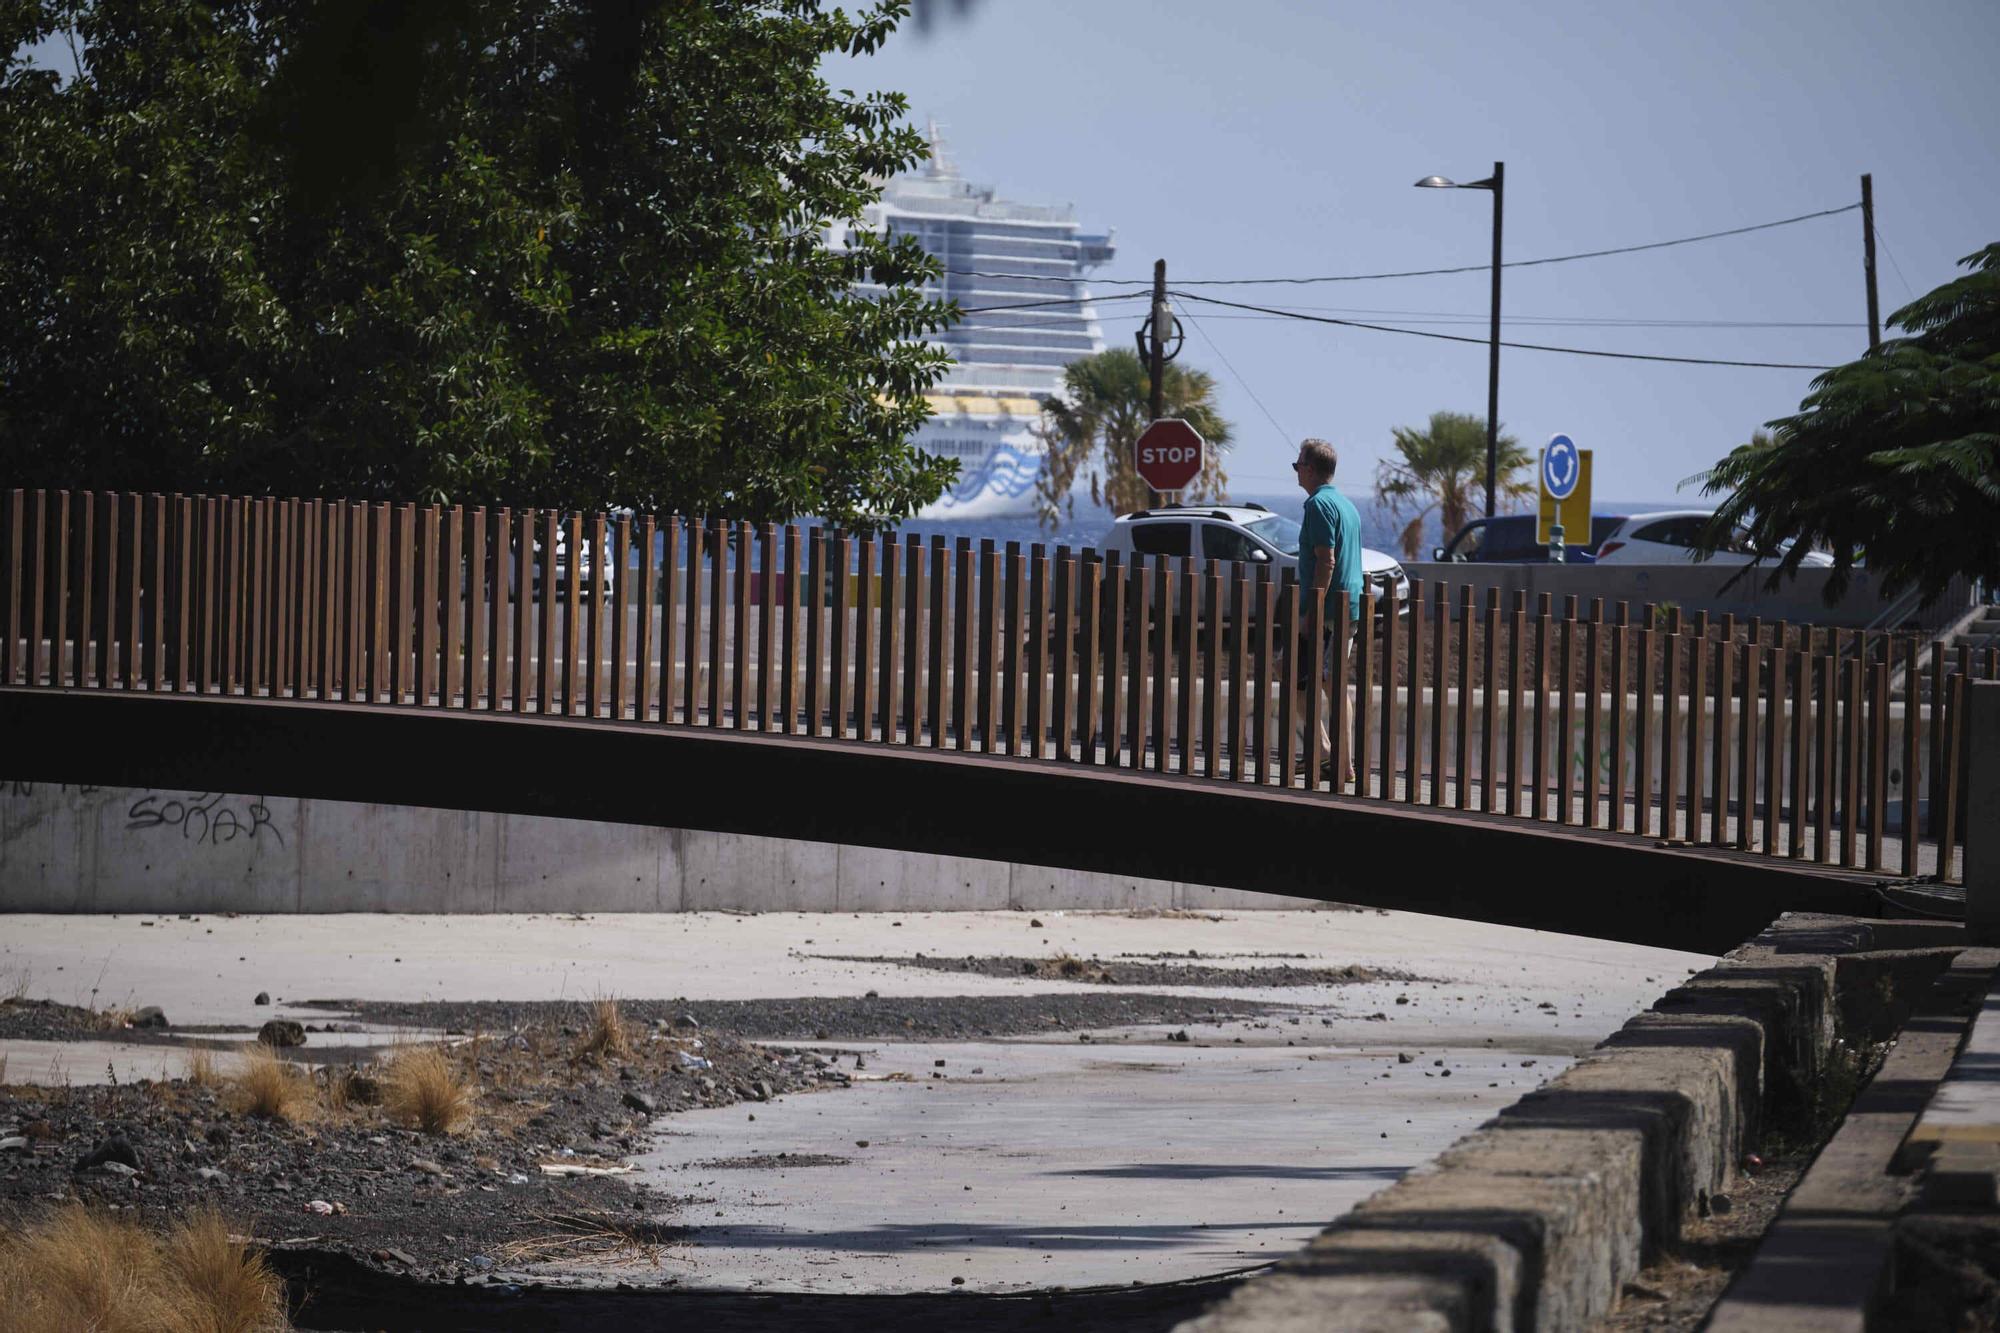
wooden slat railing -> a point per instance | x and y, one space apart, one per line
1788 740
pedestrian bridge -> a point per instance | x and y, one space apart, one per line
1628 775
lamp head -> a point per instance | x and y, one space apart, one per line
1436 183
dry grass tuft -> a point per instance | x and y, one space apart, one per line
201 1070
604 1237
269 1087
79 1269
422 1087
607 1037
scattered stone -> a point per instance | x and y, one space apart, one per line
282 1032
263 997
861 1143
427 1166
641 1102
1402 999
14 1143
1527 1064
1181 1035
117 1169
959 1281
686 1021
149 1017
403 1257
1405 1058
1445 1074
117 1149
1035 923
938 1063
213 1175
1722 1204
218 1135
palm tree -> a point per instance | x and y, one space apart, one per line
1443 467
1091 426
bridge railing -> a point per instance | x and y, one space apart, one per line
1768 737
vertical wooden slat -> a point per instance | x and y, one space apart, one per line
214 546
1913 727
1291 669
1620 640
1211 673
13 517
645 642
113 617
984 640
468 555
35 570
546 610
424 603
1748 743
1836 762
1802 736
1949 788
888 651
314 641
1538 794
1088 608
1038 649
1462 731
1264 664
1774 740
1413 676
595 612
1160 719
569 644
1012 594
521 587
1440 692
937 698
1565 746
1239 644
351 560
286 601
1489 711
1392 653
1186 651
1934 768
1720 767
915 598
1878 752
840 564
302 554
1336 639
1670 748
813 608
622 600
452 595
235 592
1115 639
738 646
1698 715
690 667
1517 624
158 595
1139 666
83 559
718 614
864 639
768 661
1853 756
249 573
961 647
1313 612
1643 747
1593 710
493 592
1364 694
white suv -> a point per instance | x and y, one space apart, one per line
1247 533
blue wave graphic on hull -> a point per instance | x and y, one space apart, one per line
1007 474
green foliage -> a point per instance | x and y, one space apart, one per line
1896 455
1442 467
1106 404
514 251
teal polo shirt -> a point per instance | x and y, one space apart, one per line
1332 520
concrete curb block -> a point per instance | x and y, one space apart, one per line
1537 1219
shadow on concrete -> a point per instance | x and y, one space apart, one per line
893 1238
1235 1171
335 1292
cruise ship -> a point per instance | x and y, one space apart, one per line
1007 363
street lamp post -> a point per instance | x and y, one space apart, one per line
1497 183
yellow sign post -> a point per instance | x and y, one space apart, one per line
1574 512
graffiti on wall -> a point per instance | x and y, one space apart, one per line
206 819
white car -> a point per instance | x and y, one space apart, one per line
1249 534
1667 538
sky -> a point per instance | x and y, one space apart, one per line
1281 138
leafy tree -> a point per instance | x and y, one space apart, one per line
1090 428
521 251
1896 454
1442 467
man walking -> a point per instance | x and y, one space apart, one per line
1329 566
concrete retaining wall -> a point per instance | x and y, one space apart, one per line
1539 1218
106 849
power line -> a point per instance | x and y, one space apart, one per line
1432 272
1552 322
1908 294
1482 342
1036 305
1245 384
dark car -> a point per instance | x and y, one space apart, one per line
1510 539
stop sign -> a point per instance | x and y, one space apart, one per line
1168 454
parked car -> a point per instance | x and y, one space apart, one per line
1247 534
1510 539
1667 538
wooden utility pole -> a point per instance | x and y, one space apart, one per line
1156 353
1868 259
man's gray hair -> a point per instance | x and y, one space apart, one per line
1320 455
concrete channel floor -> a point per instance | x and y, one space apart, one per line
1062 1161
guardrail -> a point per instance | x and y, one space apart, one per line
1774 738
